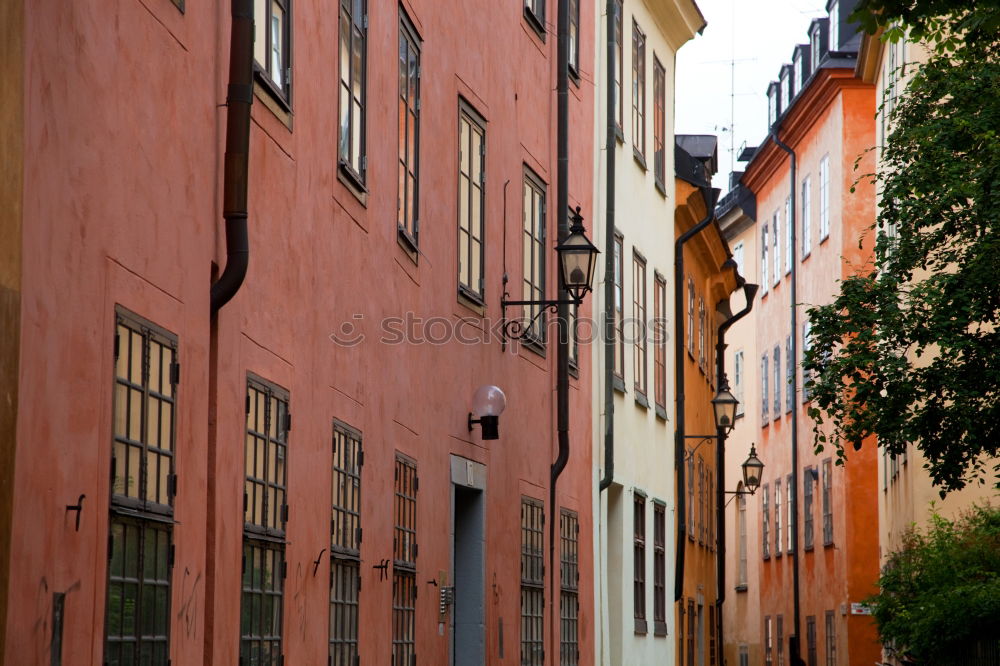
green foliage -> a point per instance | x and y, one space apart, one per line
909 350
941 23
941 591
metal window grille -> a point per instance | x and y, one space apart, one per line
404 581
807 510
691 632
140 550
471 201
533 288
345 544
619 307
638 89
777 518
262 602
532 582
407 198
619 65
659 568
660 340
265 513
768 642
353 88
639 313
765 528
659 121
811 639
639 561
827 503
569 575
271 45
831 639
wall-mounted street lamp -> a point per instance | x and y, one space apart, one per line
752 469
488 404
724 404
577 260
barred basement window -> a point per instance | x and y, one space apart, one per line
532 583
353 89
407 196
265 513
569 576
345 545
639 562
404 563
659 569
471 201
140 550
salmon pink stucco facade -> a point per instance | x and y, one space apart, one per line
293 479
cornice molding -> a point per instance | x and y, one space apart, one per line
679 20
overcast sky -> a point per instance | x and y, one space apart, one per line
766 33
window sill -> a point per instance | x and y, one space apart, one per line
265 93
767 421
659 628
741 587
640 627
639 158
828 544
661 188
806 256
766 557
824 239
179 4
618 384
534 345
408 245
808 549
350 180
574 76
641 400
661 412
740 415
574 369
471 301
537 23
619 134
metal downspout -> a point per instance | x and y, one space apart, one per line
750 291
239 98
793 639
562 313
711 196
609 270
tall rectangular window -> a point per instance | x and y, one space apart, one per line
345 544
777 519
777 382
807 508
834 27
404 562
639 562
711 635
140 549
353 89
738 258
640 356
763 388
764 282
471 202
659 122
814 46
789 513
271 46
619 65
690 318
533 285
702 333
776 245
692 618
779 625
660 341
789 375
680 633
741 518
811 654
569 599
574 37
264 516
532 583
659 569
789 222
691 506
744 655
765 531
619 308
408 194
806 216
638 89
701 500
739 379
827 503
534 10
824 197
831 639
805 347
768 642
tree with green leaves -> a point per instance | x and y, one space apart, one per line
939 594
909 350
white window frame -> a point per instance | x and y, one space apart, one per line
806 216
788 235
776 246
824 198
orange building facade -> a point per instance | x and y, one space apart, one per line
813 515
293 480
